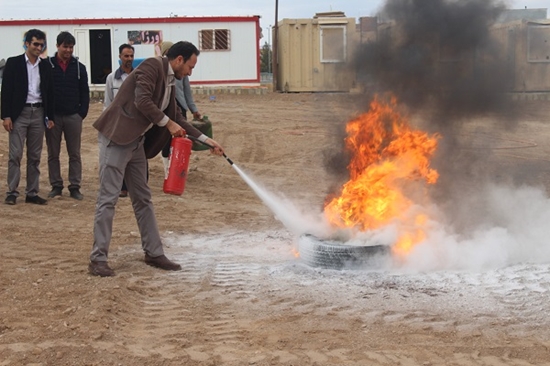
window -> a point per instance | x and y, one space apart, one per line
333 44
214 39
538 47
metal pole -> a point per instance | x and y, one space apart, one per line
275 47
269 50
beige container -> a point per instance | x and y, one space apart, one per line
314 54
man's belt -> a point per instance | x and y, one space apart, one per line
33 105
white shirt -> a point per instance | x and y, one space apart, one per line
170 82
33 94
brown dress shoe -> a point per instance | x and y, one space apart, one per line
162 262
100 269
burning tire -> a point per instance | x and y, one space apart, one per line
328 254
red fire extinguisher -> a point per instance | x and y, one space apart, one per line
180 152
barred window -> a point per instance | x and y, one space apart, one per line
214 39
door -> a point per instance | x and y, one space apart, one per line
82 46
93 49
100 55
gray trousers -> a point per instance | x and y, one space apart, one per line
117 162
29 126
71 128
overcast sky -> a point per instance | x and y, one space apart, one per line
42 9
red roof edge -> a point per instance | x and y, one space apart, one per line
217 19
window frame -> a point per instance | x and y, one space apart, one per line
212 32
344 43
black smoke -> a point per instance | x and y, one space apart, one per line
441 59
438 54
443 62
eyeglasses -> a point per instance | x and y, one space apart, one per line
38 44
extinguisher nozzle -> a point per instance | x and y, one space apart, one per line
192 138
229 160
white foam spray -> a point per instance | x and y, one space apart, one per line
514 230
295 220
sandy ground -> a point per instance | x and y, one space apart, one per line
242 297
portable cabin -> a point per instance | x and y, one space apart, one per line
314 55
229 45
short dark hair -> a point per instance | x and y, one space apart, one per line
123 46
36 33
65 38
182 48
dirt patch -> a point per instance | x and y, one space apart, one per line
242 298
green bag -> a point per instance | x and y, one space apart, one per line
205 126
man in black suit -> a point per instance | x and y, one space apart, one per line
27 110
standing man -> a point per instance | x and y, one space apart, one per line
115 79
145 103
27 110
113 83
72 99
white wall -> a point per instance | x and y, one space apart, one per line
240 63
214 67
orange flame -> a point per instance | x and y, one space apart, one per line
387 156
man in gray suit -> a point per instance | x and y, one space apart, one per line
134 127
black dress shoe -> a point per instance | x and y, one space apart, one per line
162 262
75 193
10 200
36 200
100 269
56 191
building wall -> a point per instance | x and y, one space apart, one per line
527 48
237 66
523 53
240 63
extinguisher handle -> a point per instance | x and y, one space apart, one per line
192 138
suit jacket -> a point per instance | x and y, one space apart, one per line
15 87
137 105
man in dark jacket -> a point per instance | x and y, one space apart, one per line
72 99
27 110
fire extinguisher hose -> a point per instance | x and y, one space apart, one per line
210 146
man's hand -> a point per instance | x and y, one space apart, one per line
7 123
197 115
217 150
50 124
175 129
